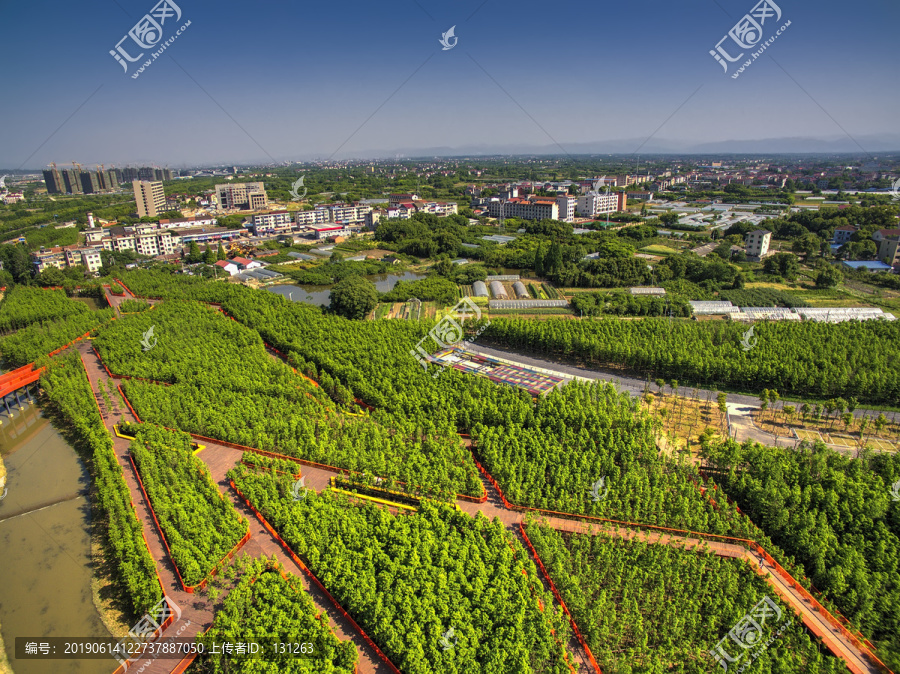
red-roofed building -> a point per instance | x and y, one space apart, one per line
244 263
228 266
883 234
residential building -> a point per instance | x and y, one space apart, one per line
889 250
72 181
566 206
593 204
90 182
13 197
396 199
318 216
89 257
441 208
49 257
883 234
372 218
244 196
345 214
843 234
150 198
54 182
532 208
757 243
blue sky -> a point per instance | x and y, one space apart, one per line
277 79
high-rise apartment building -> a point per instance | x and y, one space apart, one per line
72 180
54 182
150 198
245 196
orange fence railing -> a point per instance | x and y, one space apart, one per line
299 562
190 589
864 646
559 598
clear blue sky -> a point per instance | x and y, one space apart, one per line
289 80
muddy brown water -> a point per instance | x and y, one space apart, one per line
45 553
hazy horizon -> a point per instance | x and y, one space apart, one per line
275 82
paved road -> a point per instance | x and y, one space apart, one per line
740 406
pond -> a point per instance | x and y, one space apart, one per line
321 295
45 523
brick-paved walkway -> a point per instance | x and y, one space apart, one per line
221 459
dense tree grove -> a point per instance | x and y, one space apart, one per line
24 305
267 608
544 453
354 297
200 526
226 386
622 304
431 289
69 392
646 608
805 359
39 339
835 515
413 580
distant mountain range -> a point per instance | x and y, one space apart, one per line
791 145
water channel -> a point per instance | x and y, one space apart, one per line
45 550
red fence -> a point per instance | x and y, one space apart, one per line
863 645
274 455
187 588
299 562
559 598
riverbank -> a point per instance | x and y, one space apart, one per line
4 662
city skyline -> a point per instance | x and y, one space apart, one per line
594 80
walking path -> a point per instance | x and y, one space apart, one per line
197 613
195 608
